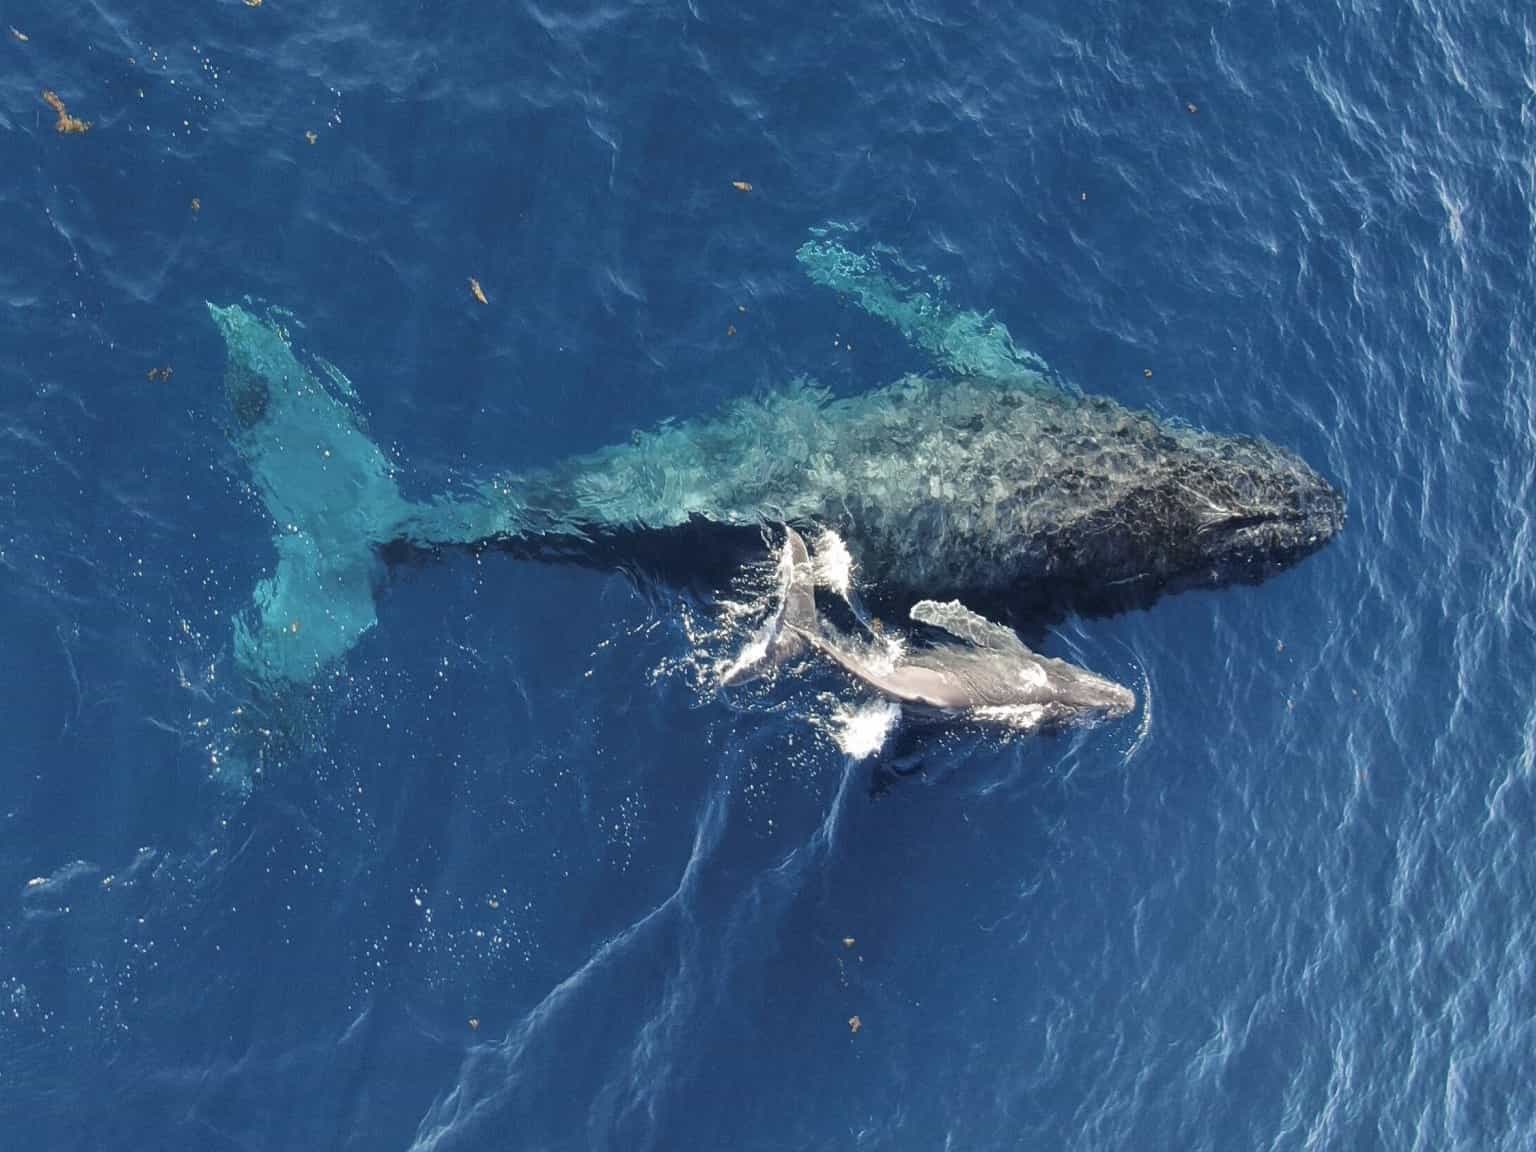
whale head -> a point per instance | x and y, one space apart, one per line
1247 508
1170 509
1081 695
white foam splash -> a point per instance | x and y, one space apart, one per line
887 653
754 658
1033 676
861 732
753 655
1020 717
834 563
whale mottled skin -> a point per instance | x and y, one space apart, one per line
941 487
991 483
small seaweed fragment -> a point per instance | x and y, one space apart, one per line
66 125
476 291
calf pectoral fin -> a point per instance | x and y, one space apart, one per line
963 624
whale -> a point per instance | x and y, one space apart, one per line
983 478
977 671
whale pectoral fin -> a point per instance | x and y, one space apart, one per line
963 341
963 624
308 613
329 490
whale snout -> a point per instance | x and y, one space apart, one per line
1322 510
1308 514
1258 508
1105 697
1120 701
1082 696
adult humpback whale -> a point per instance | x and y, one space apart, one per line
994 484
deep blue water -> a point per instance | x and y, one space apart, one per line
1287 904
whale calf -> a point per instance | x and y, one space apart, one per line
988 481
981 672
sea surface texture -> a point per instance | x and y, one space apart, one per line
510 874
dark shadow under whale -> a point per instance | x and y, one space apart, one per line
992 484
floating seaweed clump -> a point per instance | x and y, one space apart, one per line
66 124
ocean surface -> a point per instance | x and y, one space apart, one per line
514 879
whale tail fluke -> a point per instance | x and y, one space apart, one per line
798 581
308 613
792 623
329 489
